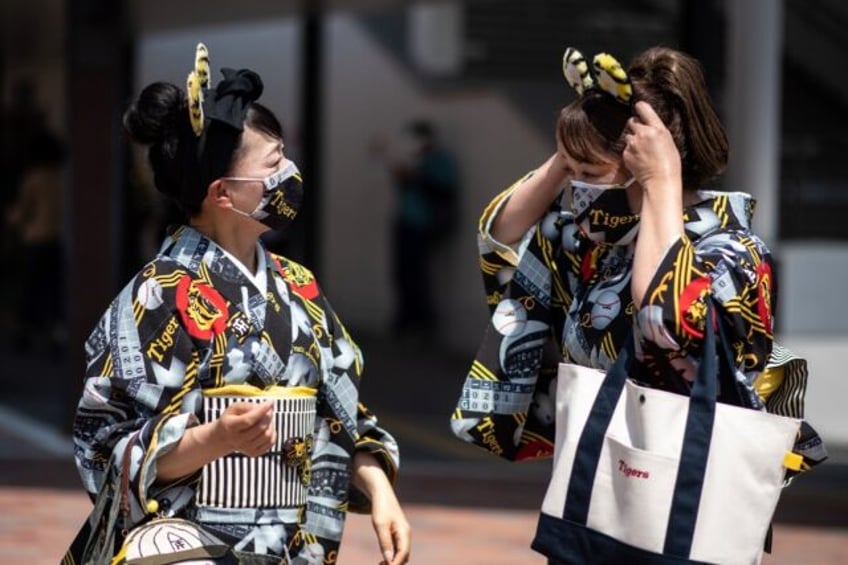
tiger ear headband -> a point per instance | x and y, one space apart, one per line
228 102
606 75
198 80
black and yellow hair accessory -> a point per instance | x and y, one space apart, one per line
606 75
576 70
197 80
217 116
612 78
201 65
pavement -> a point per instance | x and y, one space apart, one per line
465 507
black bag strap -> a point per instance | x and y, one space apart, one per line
591 441
695 449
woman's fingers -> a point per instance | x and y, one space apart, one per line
647 115
384 539
258 414
401 538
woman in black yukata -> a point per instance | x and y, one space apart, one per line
615 235
215 315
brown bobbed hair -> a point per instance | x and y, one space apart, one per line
590 129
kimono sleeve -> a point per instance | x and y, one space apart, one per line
498 259
506 405
370 436
137 388
734 270
344 426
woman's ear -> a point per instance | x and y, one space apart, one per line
218 194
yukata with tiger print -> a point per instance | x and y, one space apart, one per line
556 296
195 319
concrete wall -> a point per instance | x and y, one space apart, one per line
369 94
813 314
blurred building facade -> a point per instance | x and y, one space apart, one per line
488 73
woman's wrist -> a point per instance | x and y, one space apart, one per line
199 445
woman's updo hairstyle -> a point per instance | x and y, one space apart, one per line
159 118
194 137
673 84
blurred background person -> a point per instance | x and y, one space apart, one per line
425 217
37 218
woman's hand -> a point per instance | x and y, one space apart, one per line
651 154
247 428
387 517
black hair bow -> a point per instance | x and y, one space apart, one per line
229 100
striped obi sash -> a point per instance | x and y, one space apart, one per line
277 479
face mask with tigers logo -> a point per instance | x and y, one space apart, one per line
281 199
602 212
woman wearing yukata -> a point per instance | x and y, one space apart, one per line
221 387
634 245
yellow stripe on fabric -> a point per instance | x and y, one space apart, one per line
681 271
482 372
494 205
203 272
735 306
608 346
138 311
188 383
170 280
488 267
154 442
108 365
216 363
314 311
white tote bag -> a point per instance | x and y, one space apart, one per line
642 475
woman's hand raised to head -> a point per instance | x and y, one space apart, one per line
651 154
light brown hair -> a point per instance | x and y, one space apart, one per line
673 84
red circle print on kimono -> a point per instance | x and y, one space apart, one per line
692 308
764 282
201 308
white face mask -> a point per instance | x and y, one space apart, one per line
281 198
602 212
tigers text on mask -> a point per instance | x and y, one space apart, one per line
602 212
281 198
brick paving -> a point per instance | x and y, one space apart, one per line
36 524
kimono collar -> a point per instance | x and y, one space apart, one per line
190 248
719 210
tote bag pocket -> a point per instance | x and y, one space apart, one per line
628 483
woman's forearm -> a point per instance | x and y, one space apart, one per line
529 201
660 225
368 475
197 447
